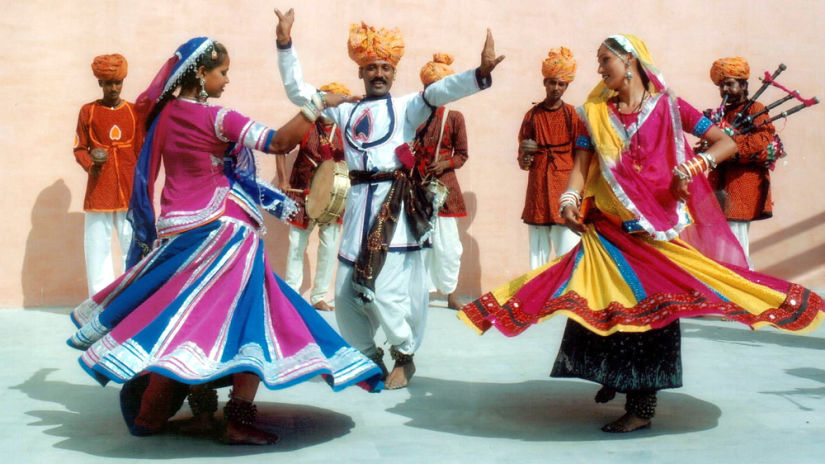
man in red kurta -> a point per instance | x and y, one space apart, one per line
106 145
442 149
546 141
743 183
323 142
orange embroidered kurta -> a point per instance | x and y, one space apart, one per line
555 132
116 131
453 149
743 183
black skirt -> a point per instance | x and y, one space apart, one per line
626 362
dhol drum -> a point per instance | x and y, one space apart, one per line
328 192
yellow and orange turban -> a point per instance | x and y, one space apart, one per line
335 87
734 67
110 67
559 65
436 69
366 44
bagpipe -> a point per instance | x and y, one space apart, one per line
744 123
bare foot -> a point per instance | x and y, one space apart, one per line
322 306
453 302
605 394
626 423
202 424
400 376
240 434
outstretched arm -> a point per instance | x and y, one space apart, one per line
291 133
298 91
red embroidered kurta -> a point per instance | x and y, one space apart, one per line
116 131
743 183
554 132
315 148
453 149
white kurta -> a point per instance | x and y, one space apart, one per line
372 129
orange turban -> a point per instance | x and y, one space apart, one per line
559 65
734 67
110 67
436 69
367 45
334 87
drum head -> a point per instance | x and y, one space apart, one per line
320 189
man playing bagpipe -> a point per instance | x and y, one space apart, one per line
743 182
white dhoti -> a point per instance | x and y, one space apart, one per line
544 239
97 245
325 263
399 307
741 230
443 260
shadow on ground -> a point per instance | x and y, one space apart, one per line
804 397
741 334
540 410
91 423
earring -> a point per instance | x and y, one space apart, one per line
202 95
628 74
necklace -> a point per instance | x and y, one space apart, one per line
638 106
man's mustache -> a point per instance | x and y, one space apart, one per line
378 79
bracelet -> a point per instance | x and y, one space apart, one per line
569 198
693 167
708 160
680 174
310 111
319 101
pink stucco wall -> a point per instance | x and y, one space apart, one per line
45 78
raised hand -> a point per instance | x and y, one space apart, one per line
283 31
489 60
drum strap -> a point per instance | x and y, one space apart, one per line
440 135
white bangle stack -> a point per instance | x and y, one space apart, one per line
312 109
569 198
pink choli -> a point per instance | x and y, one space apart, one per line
192 140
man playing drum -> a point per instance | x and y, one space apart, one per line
106 146
743 182
443 149
322 143
382 280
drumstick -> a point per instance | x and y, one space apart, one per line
292 190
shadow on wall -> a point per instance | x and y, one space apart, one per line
53 265
795 265
469 278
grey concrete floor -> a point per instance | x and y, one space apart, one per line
749 397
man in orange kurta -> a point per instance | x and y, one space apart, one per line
443 149
546 141
106 145
743 183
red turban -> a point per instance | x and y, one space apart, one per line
559 65
109 67
436 69
367 45
733 67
